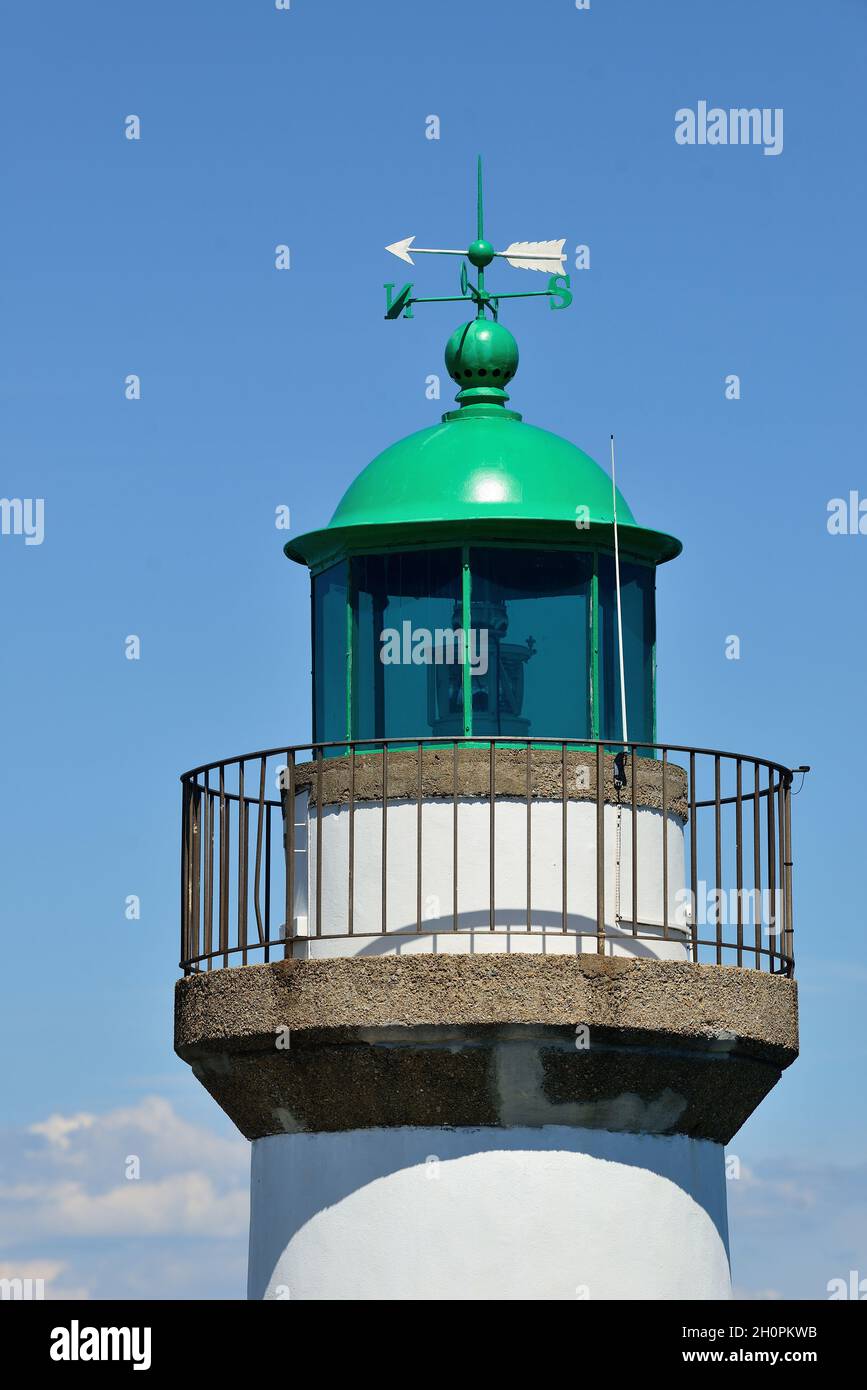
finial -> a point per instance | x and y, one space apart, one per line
482 357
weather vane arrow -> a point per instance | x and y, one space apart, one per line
523 255
545 256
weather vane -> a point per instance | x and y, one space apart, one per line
546 256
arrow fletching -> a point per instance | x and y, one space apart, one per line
536 255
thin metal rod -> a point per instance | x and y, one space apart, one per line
739 852
718 851
455 835
384 926
772 873
491 830
600 851
634 843
268 884
665 931
529 836
242 863
289 854
564 851
225 836
624 727
209 869
187 951
260 823
418 811
757 867
319 843
351 875
790 906
693 858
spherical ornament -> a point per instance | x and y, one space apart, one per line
481 353
481 253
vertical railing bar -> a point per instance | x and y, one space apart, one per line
186 952
206 945
693 859
289 856
634 798
225 837
243 862
757 863
772 871
600 850
491 861
529 837
196 865
384 855
665 931
351 884
780 892
260 821
209 872
718 848
455 835
267 883
418 842
739 853
790 906
564 848
318 761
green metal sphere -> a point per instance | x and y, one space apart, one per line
481 353
481 253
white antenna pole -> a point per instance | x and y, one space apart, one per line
619 610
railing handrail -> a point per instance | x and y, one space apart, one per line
364 744
226 815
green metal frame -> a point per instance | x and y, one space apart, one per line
466 614
595 700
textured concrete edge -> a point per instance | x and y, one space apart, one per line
470 776
236 1009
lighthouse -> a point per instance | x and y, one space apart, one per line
487 974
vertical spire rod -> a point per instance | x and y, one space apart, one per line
480 227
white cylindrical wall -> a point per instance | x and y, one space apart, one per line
514 845
545 1213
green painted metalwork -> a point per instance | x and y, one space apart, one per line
466 620
481 477
481 474
480 253
350 645
595 693
595 684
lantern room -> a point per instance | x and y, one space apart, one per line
466 584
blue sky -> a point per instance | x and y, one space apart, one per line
262 388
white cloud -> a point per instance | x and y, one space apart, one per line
57 1128
70 1215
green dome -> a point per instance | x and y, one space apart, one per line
480 475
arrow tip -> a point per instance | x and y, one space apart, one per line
401 249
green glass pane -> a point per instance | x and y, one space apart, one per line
329 654
407 673
637 599
530 611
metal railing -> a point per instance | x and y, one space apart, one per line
272 843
